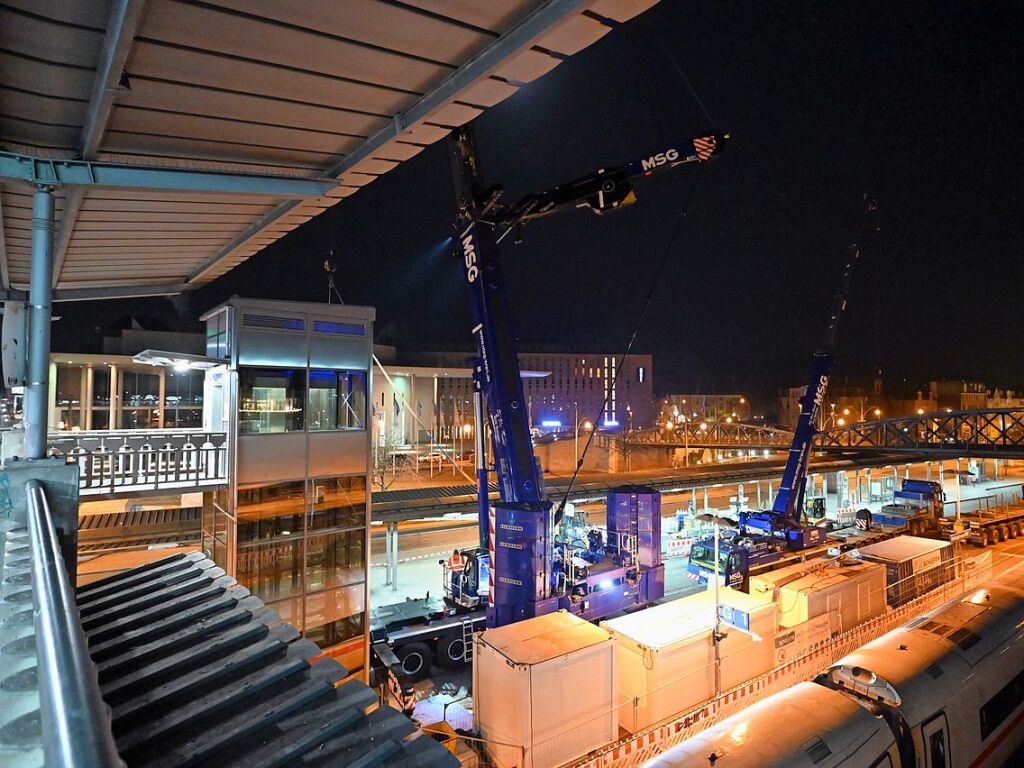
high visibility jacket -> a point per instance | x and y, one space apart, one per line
456 562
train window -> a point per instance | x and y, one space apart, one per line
933 734
999 707
937 750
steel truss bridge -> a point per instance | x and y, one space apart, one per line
997 432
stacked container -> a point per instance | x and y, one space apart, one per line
913 565
849 591
666 654
544 690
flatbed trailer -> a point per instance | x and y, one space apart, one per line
989 526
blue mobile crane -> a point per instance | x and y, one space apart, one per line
528 562
766 536
525 565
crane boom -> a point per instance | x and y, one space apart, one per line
789 502
515 563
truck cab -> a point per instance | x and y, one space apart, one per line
466 588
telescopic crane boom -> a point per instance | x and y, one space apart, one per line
524 581
787 512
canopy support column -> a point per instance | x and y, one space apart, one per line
37 393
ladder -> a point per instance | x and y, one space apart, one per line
467 640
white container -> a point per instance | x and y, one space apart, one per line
544 690
852 593
666 654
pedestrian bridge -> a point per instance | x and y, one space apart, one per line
997 432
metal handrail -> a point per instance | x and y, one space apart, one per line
76 728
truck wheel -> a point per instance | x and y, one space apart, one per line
986 538
451 652
1015 530
416 659
912 528
1004 533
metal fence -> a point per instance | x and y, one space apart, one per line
140 460
75 722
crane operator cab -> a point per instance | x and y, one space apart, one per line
466 577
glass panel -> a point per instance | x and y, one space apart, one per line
183 388
270 400
338 502
100 418
323 400
335 559
270 511
272 570
101 387
937 750
289 610
335 616
140 403
69 385
353 404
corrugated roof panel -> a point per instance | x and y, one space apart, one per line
205 68
495 15
217 102
381 24
33 34
272 87
573 35
233 33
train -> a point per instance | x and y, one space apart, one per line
944 691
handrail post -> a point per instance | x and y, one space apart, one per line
76 729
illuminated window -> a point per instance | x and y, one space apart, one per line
641 374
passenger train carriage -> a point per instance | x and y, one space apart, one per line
945 691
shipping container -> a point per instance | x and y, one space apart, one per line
544 690
851 591
666 654
913 565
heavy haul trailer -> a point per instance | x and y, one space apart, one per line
917 506
988 526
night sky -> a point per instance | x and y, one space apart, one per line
917 103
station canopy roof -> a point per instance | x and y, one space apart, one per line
193 133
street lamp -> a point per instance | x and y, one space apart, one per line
587 426
717 635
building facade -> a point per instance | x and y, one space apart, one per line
703 406
561 389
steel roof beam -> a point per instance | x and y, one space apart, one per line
5 275
516 39
118 292
35 171
125 16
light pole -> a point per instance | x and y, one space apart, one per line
587 426
717 635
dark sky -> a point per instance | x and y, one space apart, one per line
917 103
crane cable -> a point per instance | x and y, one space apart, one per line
676 231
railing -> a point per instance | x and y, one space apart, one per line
711 434
137 460
76 730
994 432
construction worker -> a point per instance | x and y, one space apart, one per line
456 562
